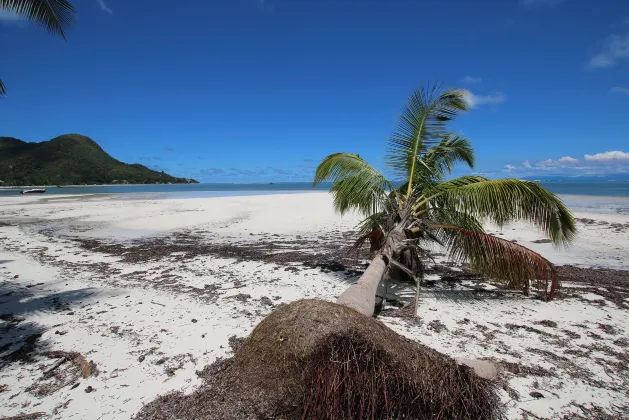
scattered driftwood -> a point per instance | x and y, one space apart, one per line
319 360
74 357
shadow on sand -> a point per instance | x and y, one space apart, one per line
20 338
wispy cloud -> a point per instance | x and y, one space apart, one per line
471 79
614 156
265 5
540 3
621 90
568 160
474 100
561 162
104 7
614 49
605 163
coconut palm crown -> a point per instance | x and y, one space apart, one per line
402 220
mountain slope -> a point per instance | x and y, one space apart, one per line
70 159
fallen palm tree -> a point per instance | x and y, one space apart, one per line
319 360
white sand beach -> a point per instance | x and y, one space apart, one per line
151 290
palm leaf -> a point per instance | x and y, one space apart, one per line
355 183
500 259
422 123
56 16
506 200
451 150
3 90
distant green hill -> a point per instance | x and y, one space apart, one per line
70 159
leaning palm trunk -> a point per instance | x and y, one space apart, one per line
361 296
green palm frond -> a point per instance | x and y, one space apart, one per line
422 124
56 16
500 259
3 90
451 150
506 200
355 183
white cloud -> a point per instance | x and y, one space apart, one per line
104 7
569 160
526 164
509 168
475 100
607 157
471 79
618 89
566 161
615 49
547 162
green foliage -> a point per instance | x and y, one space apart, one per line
70 159
429 209
56 16
356 183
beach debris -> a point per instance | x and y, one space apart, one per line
61 332
76 385
161 361
74 357
194 321
536 394
28 416
17 276
141 358
437 326
546 323
90 389
241 297
264 300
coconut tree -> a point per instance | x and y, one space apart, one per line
56 16
402 220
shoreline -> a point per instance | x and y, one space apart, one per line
154 290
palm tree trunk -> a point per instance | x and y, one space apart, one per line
361 295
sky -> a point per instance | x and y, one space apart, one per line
262 90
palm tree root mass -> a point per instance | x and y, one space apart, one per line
319 360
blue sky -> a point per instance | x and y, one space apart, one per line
261 90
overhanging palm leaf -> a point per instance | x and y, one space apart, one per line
500 259
56 16
356 184
506 200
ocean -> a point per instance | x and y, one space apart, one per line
612 197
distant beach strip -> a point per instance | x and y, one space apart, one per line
596 197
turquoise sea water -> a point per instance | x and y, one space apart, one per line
610 197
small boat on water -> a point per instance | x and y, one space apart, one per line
34 191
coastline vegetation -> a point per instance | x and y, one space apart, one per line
70 159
